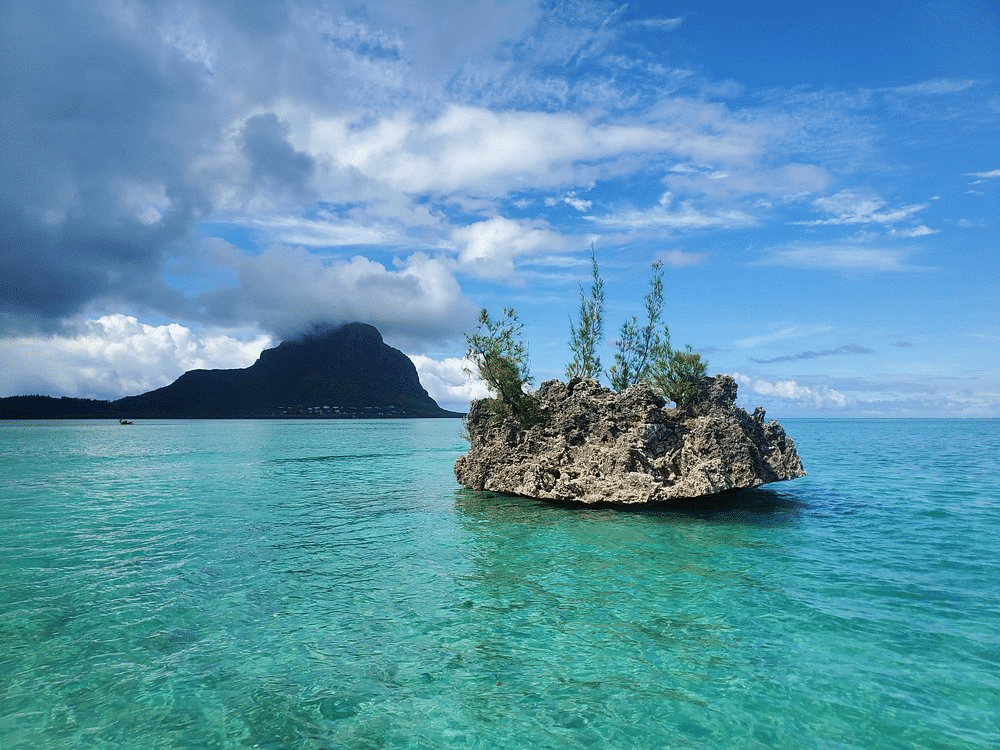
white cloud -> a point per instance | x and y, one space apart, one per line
448 382
934 87
662 24
579 204
488 248
676 215
474 149
115 356
288 288
988 175
328 232
681 259
849 207
921 230
570 199
788 182
789 332
820 397
836 257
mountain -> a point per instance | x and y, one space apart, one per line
344 372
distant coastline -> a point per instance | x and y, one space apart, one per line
66 407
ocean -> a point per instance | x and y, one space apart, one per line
326 584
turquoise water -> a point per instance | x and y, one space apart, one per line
326 584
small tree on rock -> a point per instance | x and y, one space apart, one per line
637 349
645 355
679 375
498 351
586 334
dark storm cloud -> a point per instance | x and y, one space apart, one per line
290 290
272 158
84 108
846 349
52 272
109 115
125 124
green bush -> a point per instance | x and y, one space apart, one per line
498 351
678 376
642 352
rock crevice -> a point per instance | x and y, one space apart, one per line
597 447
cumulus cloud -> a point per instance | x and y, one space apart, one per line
488 248
448 381
115 356
321 124
128 123
289 289
819 397
98 133
474 149
264 141
264 165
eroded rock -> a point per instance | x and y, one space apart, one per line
599 447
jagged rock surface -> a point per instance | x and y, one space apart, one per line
599 447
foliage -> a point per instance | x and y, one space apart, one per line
642 353
498 351
586 335
638 349
679 375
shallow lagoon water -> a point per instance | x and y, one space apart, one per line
326 584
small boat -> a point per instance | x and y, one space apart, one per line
125 421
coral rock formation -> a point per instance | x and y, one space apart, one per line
597 447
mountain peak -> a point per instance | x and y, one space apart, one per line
347 370
342 331
343 371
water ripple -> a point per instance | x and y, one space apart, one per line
325 585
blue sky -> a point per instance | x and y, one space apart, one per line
186 183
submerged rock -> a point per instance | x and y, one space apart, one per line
594 446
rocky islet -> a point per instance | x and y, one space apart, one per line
597 447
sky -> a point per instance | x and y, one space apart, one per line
187 183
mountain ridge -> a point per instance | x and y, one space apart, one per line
342 372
